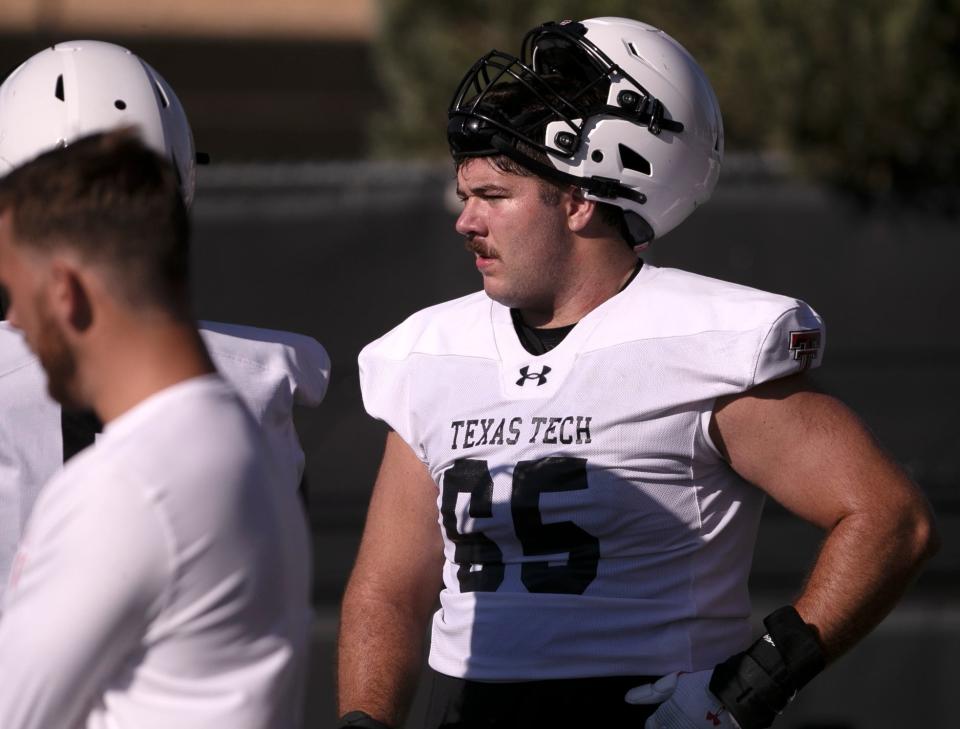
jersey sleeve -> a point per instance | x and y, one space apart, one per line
309 366
300 360
31 448
87 579
384 386
793 343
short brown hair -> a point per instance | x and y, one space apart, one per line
550 190
512 99
116 203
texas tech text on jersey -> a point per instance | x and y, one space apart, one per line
550 430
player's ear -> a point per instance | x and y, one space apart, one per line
70 296
580 211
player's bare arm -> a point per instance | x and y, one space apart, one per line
815 457
391 591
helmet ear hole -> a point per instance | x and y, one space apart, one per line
632 160
58 90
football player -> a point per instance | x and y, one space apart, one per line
163 579
579 453
58 95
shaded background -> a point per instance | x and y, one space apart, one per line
326 211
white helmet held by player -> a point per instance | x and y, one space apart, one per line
611 105
78 88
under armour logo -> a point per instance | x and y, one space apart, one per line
526 374
715 718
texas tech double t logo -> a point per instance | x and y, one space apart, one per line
805 345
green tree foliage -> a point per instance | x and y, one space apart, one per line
863 95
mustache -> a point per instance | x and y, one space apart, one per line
484 251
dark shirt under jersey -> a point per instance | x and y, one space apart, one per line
539 341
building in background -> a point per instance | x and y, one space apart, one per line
280 80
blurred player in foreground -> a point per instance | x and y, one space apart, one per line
62 93
163 579
581 451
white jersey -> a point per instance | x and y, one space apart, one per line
163 580
590 526
271 370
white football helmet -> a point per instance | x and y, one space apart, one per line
614 106
78 88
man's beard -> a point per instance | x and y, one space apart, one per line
58 362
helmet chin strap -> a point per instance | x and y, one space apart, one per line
635 230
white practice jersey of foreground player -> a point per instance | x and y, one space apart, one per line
271 370
163 580
590 525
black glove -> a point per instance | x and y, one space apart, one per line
756 685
